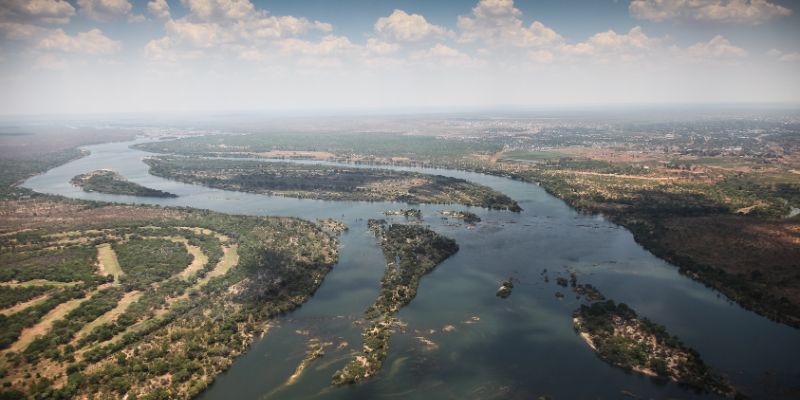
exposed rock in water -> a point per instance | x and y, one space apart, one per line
468 217
408 213
505 289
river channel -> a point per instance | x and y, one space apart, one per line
520 347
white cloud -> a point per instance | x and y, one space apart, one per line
404 27
497 22
104 10
441 55
790 57
609 46
219 9
17 31
740 11
91 42
786 57
542 56
717 47
273 27
377 46
136 18
200 34
328 45
45 11
159 9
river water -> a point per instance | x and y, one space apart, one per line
520 347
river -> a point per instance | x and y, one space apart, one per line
520 347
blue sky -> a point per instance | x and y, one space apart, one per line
77 56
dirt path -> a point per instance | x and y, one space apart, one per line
199 261
230 258
107 261
125 302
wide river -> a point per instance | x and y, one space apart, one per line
520 347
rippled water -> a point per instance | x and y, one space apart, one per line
521 347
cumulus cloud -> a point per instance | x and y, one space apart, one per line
274 27
37 11
610 45
738 11
717 47
104 10
404 27
197 34
785 57
136 18
219 9
377 46
497 22
159 9
91 42
328 45
232 27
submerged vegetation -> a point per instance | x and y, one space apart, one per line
107 181
328 182
411 251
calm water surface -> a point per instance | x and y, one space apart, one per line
520 348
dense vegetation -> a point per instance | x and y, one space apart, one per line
627 341
411 251
146 261
328 182
106 181
159 332
62 264
11 295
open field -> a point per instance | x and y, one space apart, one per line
107 261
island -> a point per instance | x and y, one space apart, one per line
110 182
468 217
622 339
411 251
408 213
326 182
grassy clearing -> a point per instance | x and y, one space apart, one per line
199 261
128 299
229 260
107 261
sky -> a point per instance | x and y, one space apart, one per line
129 56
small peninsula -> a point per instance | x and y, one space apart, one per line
110 182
